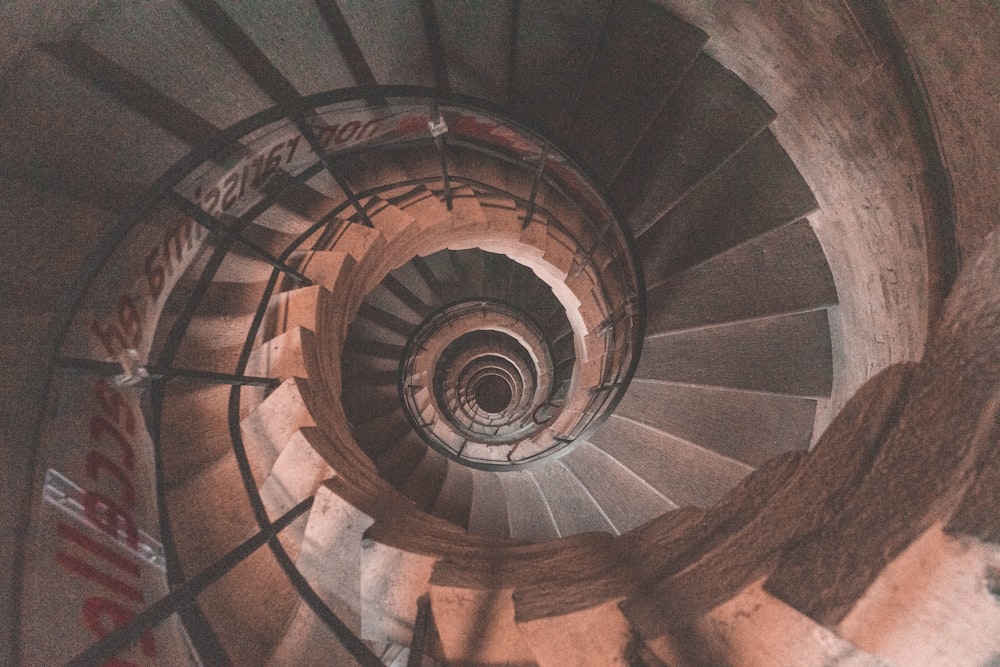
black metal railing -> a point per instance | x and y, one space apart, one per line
190 188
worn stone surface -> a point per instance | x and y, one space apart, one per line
755 630
595 637
814 490
948 417
955 50
935 604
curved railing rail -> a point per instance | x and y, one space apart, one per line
226 185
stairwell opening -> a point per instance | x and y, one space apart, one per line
493 393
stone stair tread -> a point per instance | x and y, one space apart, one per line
251 606
405 294
420 202
398 462
363 173
296 474
787 354
454 501
425 480
684 473
370 399
372 348
334 533
470 273
149 39
488 511
363 328
213 343
475 42
783 271
294 308
308 640
625 499
465 208
527 509
406 58
438 274
551 73
217 489
283 356
79 115
794 490
271 424
280 218
193 413
387 319
708 118
643 55
331 269
231 298
378 434
746 426
719 214
409 277
573 509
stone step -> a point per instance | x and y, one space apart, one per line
643 55
756 191
710 116
573 509
308 640
296 474
476 41
390 321
454 500
749 427
528 510
784 271
82 116
334 534
384 299
379 434
290 354
551 73
424 483
488 510
193 413
269 427
400 460
685 473
625 498
786 354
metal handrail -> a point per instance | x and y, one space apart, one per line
164 188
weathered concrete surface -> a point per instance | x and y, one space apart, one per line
936 604
955 47
950 419
593 637
756 630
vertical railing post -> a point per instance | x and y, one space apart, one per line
420 628
438 129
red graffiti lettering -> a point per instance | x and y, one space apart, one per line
83 540
97 461
99 426
110 517
96 610
88 571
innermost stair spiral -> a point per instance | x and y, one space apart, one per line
479 379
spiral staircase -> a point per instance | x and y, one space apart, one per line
469 342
